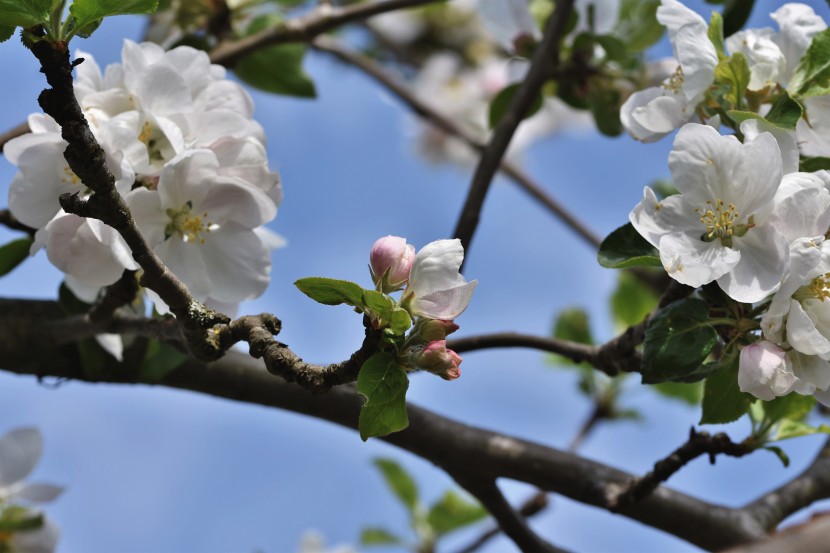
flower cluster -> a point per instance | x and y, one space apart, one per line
26 530
745 216
187 157
434 293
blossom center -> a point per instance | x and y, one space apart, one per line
819 289
158 147
675 82
719 219
190 227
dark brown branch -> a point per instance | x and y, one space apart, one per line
121 292
530 508
510 522
545 60
811 485
423 109
19 130
699 443
9 220
810 537
305 28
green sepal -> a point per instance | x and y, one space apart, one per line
625 247
331 291
499 104
784 114
678 340
452 512
385 312
400 482
276 69
723 401
785 459
795 429
19 519
13 254
384 385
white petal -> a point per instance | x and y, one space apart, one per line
112 344
802 333
654 218
39 493
693 262
763 372
801 207
444 304
812 371
41 540
751 128
436 267
764 258
20 450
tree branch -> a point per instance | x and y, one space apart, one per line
545 59
19 130
303 29
10 221
424 110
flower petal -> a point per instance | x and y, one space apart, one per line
20 450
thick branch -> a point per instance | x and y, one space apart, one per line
545 60
303 29
423 109
811 485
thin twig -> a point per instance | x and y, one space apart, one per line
19 130
534 505
699 443
10 221
303 29
421 108
545 59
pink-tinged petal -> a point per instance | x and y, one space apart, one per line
690 261
444 304
802 333
765 255
20 450
390 261
763 371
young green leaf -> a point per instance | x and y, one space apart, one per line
785 112
813 164
723 401
625 248
785 459
571 324
812 75
715 33
502 101
19 519
384 385
386 312
452 512
794 407
278 69
604 101
795 429
6 33
87 14
13 254
631 301
734 72
330 291
400 482
159 360
688 392
24 13
378 536
678 340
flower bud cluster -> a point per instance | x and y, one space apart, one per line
434 294
189 160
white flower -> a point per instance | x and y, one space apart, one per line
650 114
436 290
767 63
201 224
763 371
20 450
717 228
506 20
798 24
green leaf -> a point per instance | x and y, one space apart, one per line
386 312
723 401
687 392
6 33
812 75
631 301
571 324
625 248
604 101
735 15
160 360
16 519
637 26
734 73
785 459
384 385
378 536
330 291
24 13
87 14
13 254
452 512
277 69
715 34
400 482
813 164
793 406
785 112
795 429
502 101
678 340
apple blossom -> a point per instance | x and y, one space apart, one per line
717 228
436 358
20 450
763 371
390 261
652 113
436 290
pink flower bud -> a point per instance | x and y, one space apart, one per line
390 262
437 359
764 372
430 330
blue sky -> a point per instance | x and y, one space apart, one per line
161 470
